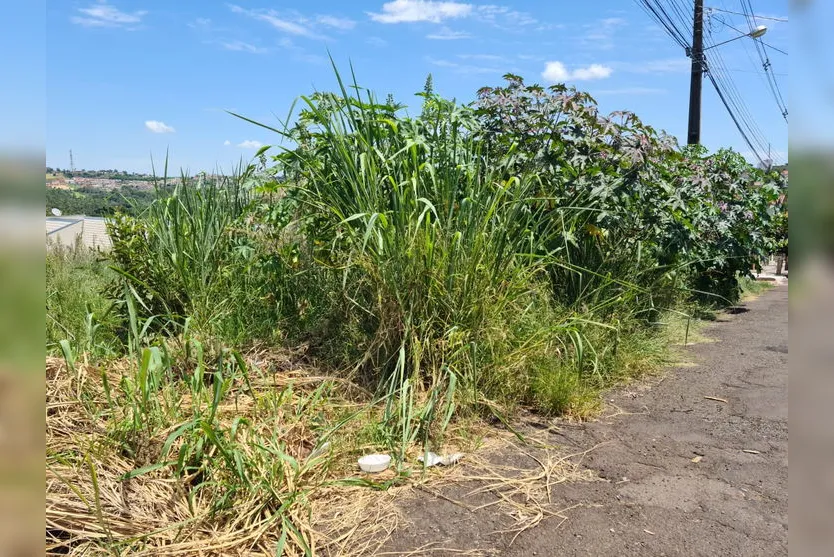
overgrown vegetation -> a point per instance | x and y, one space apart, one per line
426 270
98 203
78 310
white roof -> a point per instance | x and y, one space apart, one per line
93 230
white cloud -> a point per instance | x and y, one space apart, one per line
227 143
376 41
409 11
446 34
102 14
159 127
557 72
432 11
601 33
297 27
594 71
250 144
337 22
288 26
293 23
240 46
504 17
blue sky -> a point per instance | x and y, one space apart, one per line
130 79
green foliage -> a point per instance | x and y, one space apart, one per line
76 307
517 251
649 215
98 203
188 256
430 247
780 224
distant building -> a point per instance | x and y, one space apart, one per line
67 230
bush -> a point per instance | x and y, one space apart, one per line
470 256
522 251
188 259
432 242
653 218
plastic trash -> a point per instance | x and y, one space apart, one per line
434 459
374 462
320 450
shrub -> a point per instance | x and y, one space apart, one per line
467 257
189 257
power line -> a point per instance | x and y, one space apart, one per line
729 110
655 10
739 70
735 105
737 30
773 47
722 77
683 12
676 22
682 34
771 82
747 7
732 100
782 19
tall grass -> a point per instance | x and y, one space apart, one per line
437 249
187 257
77 309
458 287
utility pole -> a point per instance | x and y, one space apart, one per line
698 67
72 163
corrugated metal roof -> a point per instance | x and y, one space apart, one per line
95 233
93 230
56 223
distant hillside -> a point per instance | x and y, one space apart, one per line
98 202
112 174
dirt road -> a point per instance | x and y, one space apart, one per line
682 474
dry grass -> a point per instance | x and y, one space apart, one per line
521 478
92 509
506 478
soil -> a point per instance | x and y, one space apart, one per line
677 473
